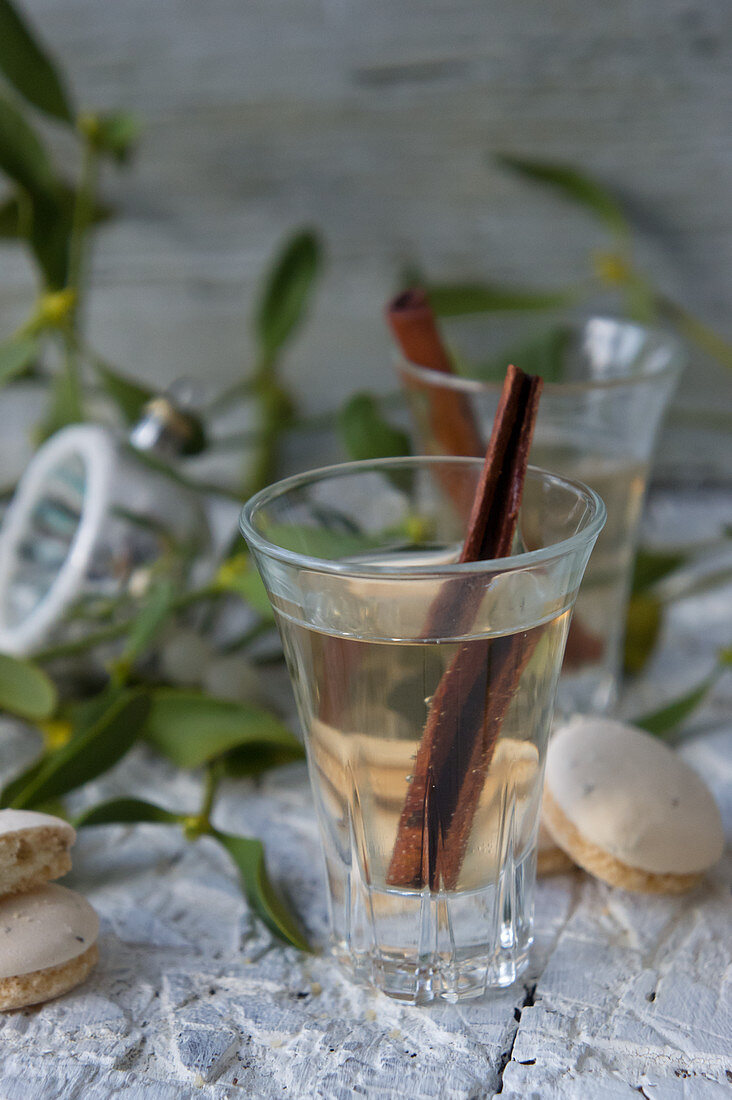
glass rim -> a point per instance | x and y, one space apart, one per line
525 560
442 379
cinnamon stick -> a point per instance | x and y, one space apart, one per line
453 424
583 646
476 689
455 429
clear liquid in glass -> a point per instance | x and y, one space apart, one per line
364 705
592 661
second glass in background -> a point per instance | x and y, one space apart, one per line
607 386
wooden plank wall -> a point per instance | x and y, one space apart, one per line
376 121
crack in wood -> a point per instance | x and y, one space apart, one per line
507 1055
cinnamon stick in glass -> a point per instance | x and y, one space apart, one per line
453 423
475 692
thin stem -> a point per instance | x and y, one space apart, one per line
640 299
80 645
87 352
210 788
180 478
697 331
118 630
274 409
82 217
73 376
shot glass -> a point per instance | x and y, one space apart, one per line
608 386
425 688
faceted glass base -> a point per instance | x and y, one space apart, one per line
420 947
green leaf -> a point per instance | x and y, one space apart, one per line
50 236
129 396
86 712
253 760
15 356
89 754
652 566
287 292
698 332
456 299
248 854
24 159
666 718
574 185
366 434
191 728
15 223
544 355
29 68
22 155
642 627
123 810
237 575
115 133
25 691
11 219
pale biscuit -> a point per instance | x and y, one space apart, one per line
34 848
628 809
44 985
47 944
604 866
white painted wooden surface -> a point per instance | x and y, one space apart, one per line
375 122
626 995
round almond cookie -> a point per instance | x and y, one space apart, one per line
34 848
626 808
48 944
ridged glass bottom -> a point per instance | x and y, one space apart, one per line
419 947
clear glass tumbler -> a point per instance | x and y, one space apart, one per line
608 386
425 689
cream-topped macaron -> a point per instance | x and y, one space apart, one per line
47 944
34 848
628 809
